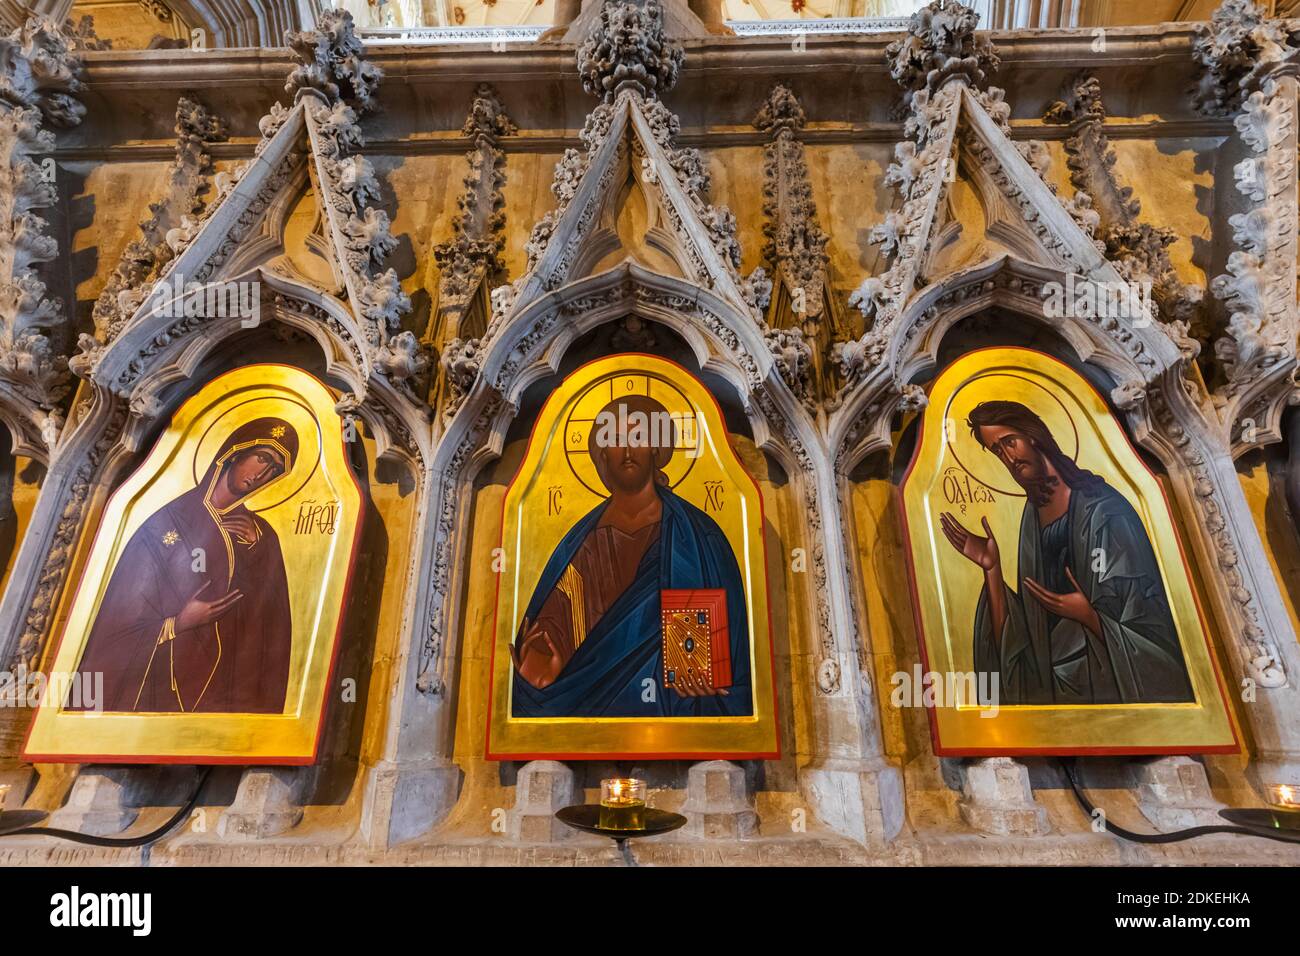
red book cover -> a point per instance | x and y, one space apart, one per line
695 635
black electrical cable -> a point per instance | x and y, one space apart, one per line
144 840
1176 836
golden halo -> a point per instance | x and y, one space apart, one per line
970 455
266 406
582 418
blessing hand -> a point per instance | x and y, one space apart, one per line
537 658
1073 606
241 526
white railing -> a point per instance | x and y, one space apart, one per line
419 36
786 28
428 36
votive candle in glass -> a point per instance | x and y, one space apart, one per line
622 804
1286 797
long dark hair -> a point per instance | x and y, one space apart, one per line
1020 418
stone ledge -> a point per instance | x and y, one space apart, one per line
1082 849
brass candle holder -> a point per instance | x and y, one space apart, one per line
622 804
621 815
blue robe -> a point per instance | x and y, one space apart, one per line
606 674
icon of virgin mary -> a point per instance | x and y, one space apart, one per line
196 615
591 642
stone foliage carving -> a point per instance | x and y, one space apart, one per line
1236 50
40 68
1138 248
920 171
330 61
944 114
39 81
796 245
335 83
175 214
628 50
1259 651
1249 65
628 61
1259 286
941 44
472 256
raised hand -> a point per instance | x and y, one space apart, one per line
981 550
1073 606
197 613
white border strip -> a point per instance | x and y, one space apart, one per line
437 36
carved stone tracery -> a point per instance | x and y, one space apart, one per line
169 218
39 83
1249 67
795 250
1138 248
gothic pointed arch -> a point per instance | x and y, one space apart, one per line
582 273
1035 245
155 336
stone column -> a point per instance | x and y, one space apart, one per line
718 805
19 779
267 803
566 11
415 784
710 14
1174 793
103 801
542 787
996 798
1293 470
849 783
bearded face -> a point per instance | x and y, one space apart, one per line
1022 458
627 467
631 443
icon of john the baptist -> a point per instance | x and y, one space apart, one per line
1089 621
590 643
196 614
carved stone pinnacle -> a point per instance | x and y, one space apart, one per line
629 51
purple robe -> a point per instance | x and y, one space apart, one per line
238 663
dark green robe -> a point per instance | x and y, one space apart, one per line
1043 659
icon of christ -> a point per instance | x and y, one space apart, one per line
592 641
195 618
1089 621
